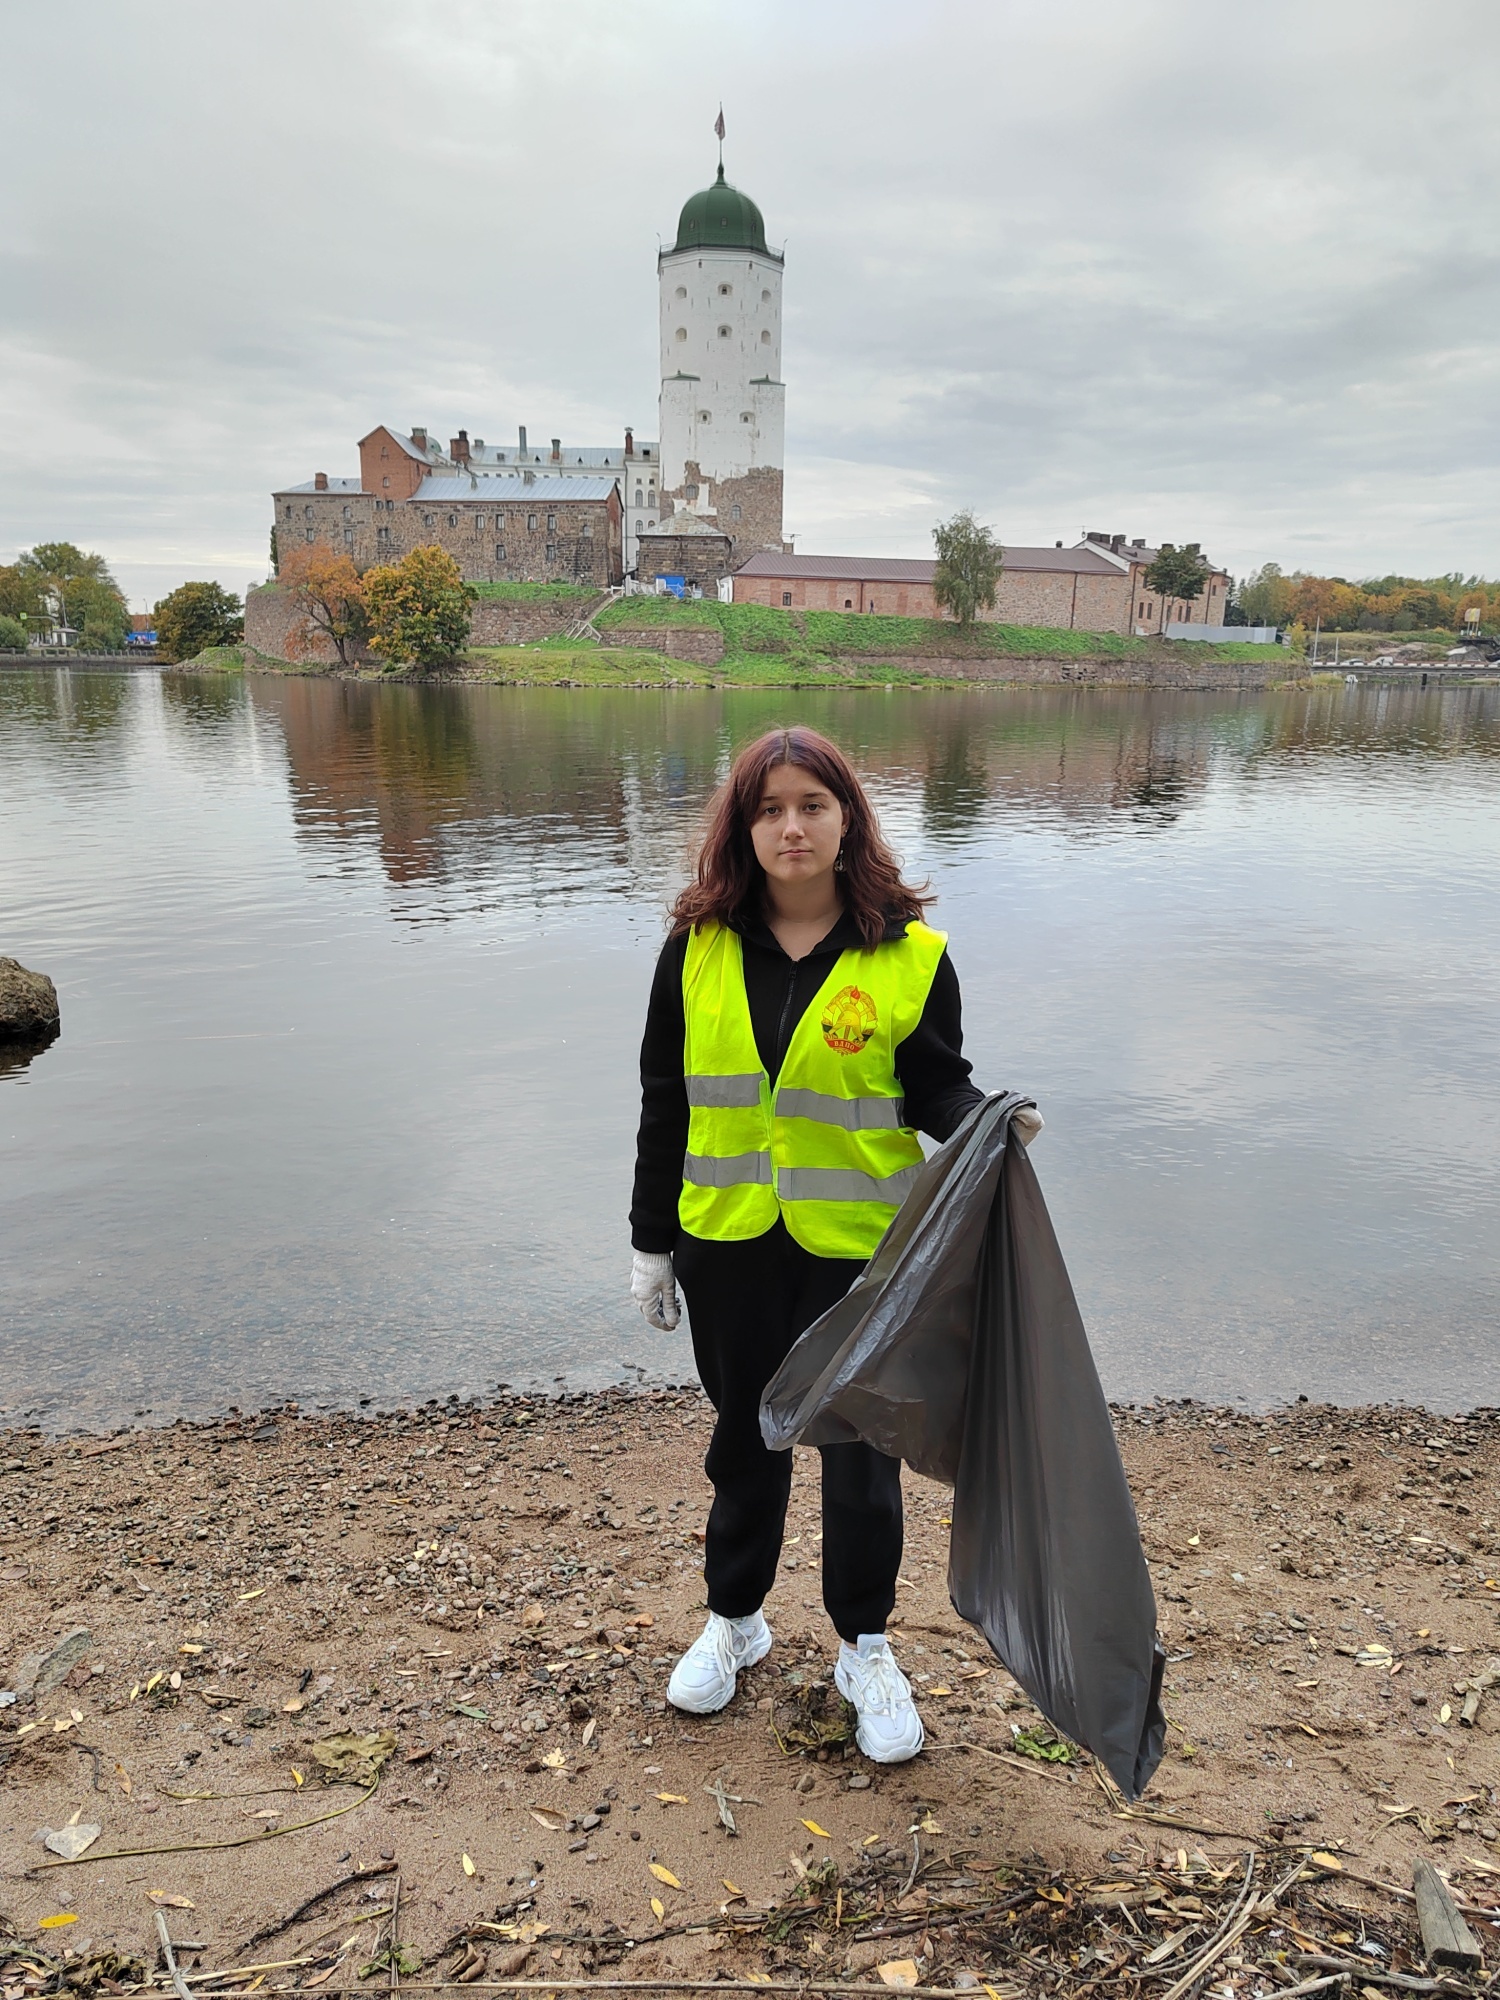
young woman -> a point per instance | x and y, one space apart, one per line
803 1027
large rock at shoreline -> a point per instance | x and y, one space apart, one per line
28 1003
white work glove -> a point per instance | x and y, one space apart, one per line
654 1290
1027 1122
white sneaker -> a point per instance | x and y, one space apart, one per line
890 1730
703 1679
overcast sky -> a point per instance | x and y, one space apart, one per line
1187 269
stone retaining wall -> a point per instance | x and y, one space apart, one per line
702 644
498 621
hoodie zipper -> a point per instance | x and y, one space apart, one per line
781 1025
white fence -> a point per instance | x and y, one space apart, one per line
1243 635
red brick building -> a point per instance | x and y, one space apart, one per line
1095 587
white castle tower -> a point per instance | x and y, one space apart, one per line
723 403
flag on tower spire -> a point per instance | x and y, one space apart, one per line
719 133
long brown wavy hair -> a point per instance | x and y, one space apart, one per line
729 880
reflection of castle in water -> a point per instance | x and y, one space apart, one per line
485 796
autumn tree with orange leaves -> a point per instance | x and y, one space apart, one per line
329 592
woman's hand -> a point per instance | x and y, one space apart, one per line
654 1289
1028 1122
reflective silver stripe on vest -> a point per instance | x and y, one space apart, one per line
853 1114
724 1093
734 1170
843 1184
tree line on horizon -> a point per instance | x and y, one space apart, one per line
1271 596
57 584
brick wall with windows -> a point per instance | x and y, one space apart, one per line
564 541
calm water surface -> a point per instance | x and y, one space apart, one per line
353 980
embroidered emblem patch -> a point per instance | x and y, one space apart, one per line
849 1020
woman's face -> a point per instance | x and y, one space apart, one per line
798 827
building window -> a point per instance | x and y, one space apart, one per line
382 534
734 513
385 451
289 510
348 538
453 520
499 552
786 597
765 336
385 482
725 291
725 332
638 500
848 603
587 530
681 292
426 520
531 524
348 513
765 298
552 552
307 513
681 333
551 524
646 453
479 524
689 493
307 534
705 416
747 416
651 524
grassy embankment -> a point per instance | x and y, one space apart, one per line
766 647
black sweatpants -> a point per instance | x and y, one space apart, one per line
748 1302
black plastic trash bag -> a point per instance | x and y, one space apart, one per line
961 1350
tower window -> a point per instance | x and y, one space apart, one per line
681 291
681 333
765 298
747 416
725 332
765 336
705 416
725 291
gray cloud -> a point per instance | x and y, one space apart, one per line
1185 270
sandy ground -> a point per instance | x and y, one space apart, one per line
505 1587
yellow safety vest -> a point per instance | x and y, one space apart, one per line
829 1149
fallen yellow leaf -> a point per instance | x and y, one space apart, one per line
1193 1541
56 1923
730 1886
293 1707
556 1760
468 1865
166 1901
552 1821
821 1831
190 1649
154 1682
898 1972
1327 1860
665 1875
658 1908
670 1798
249 1596
296 1776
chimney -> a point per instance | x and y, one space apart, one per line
1139 542
320 481
419 436
629 442
458 448
523 438
557 451
1059 545
1117 542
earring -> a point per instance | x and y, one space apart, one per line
838 864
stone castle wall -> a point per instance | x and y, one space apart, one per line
270 618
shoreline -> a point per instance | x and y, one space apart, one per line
503 1585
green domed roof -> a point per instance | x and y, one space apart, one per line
721 218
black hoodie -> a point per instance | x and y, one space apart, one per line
930 1065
